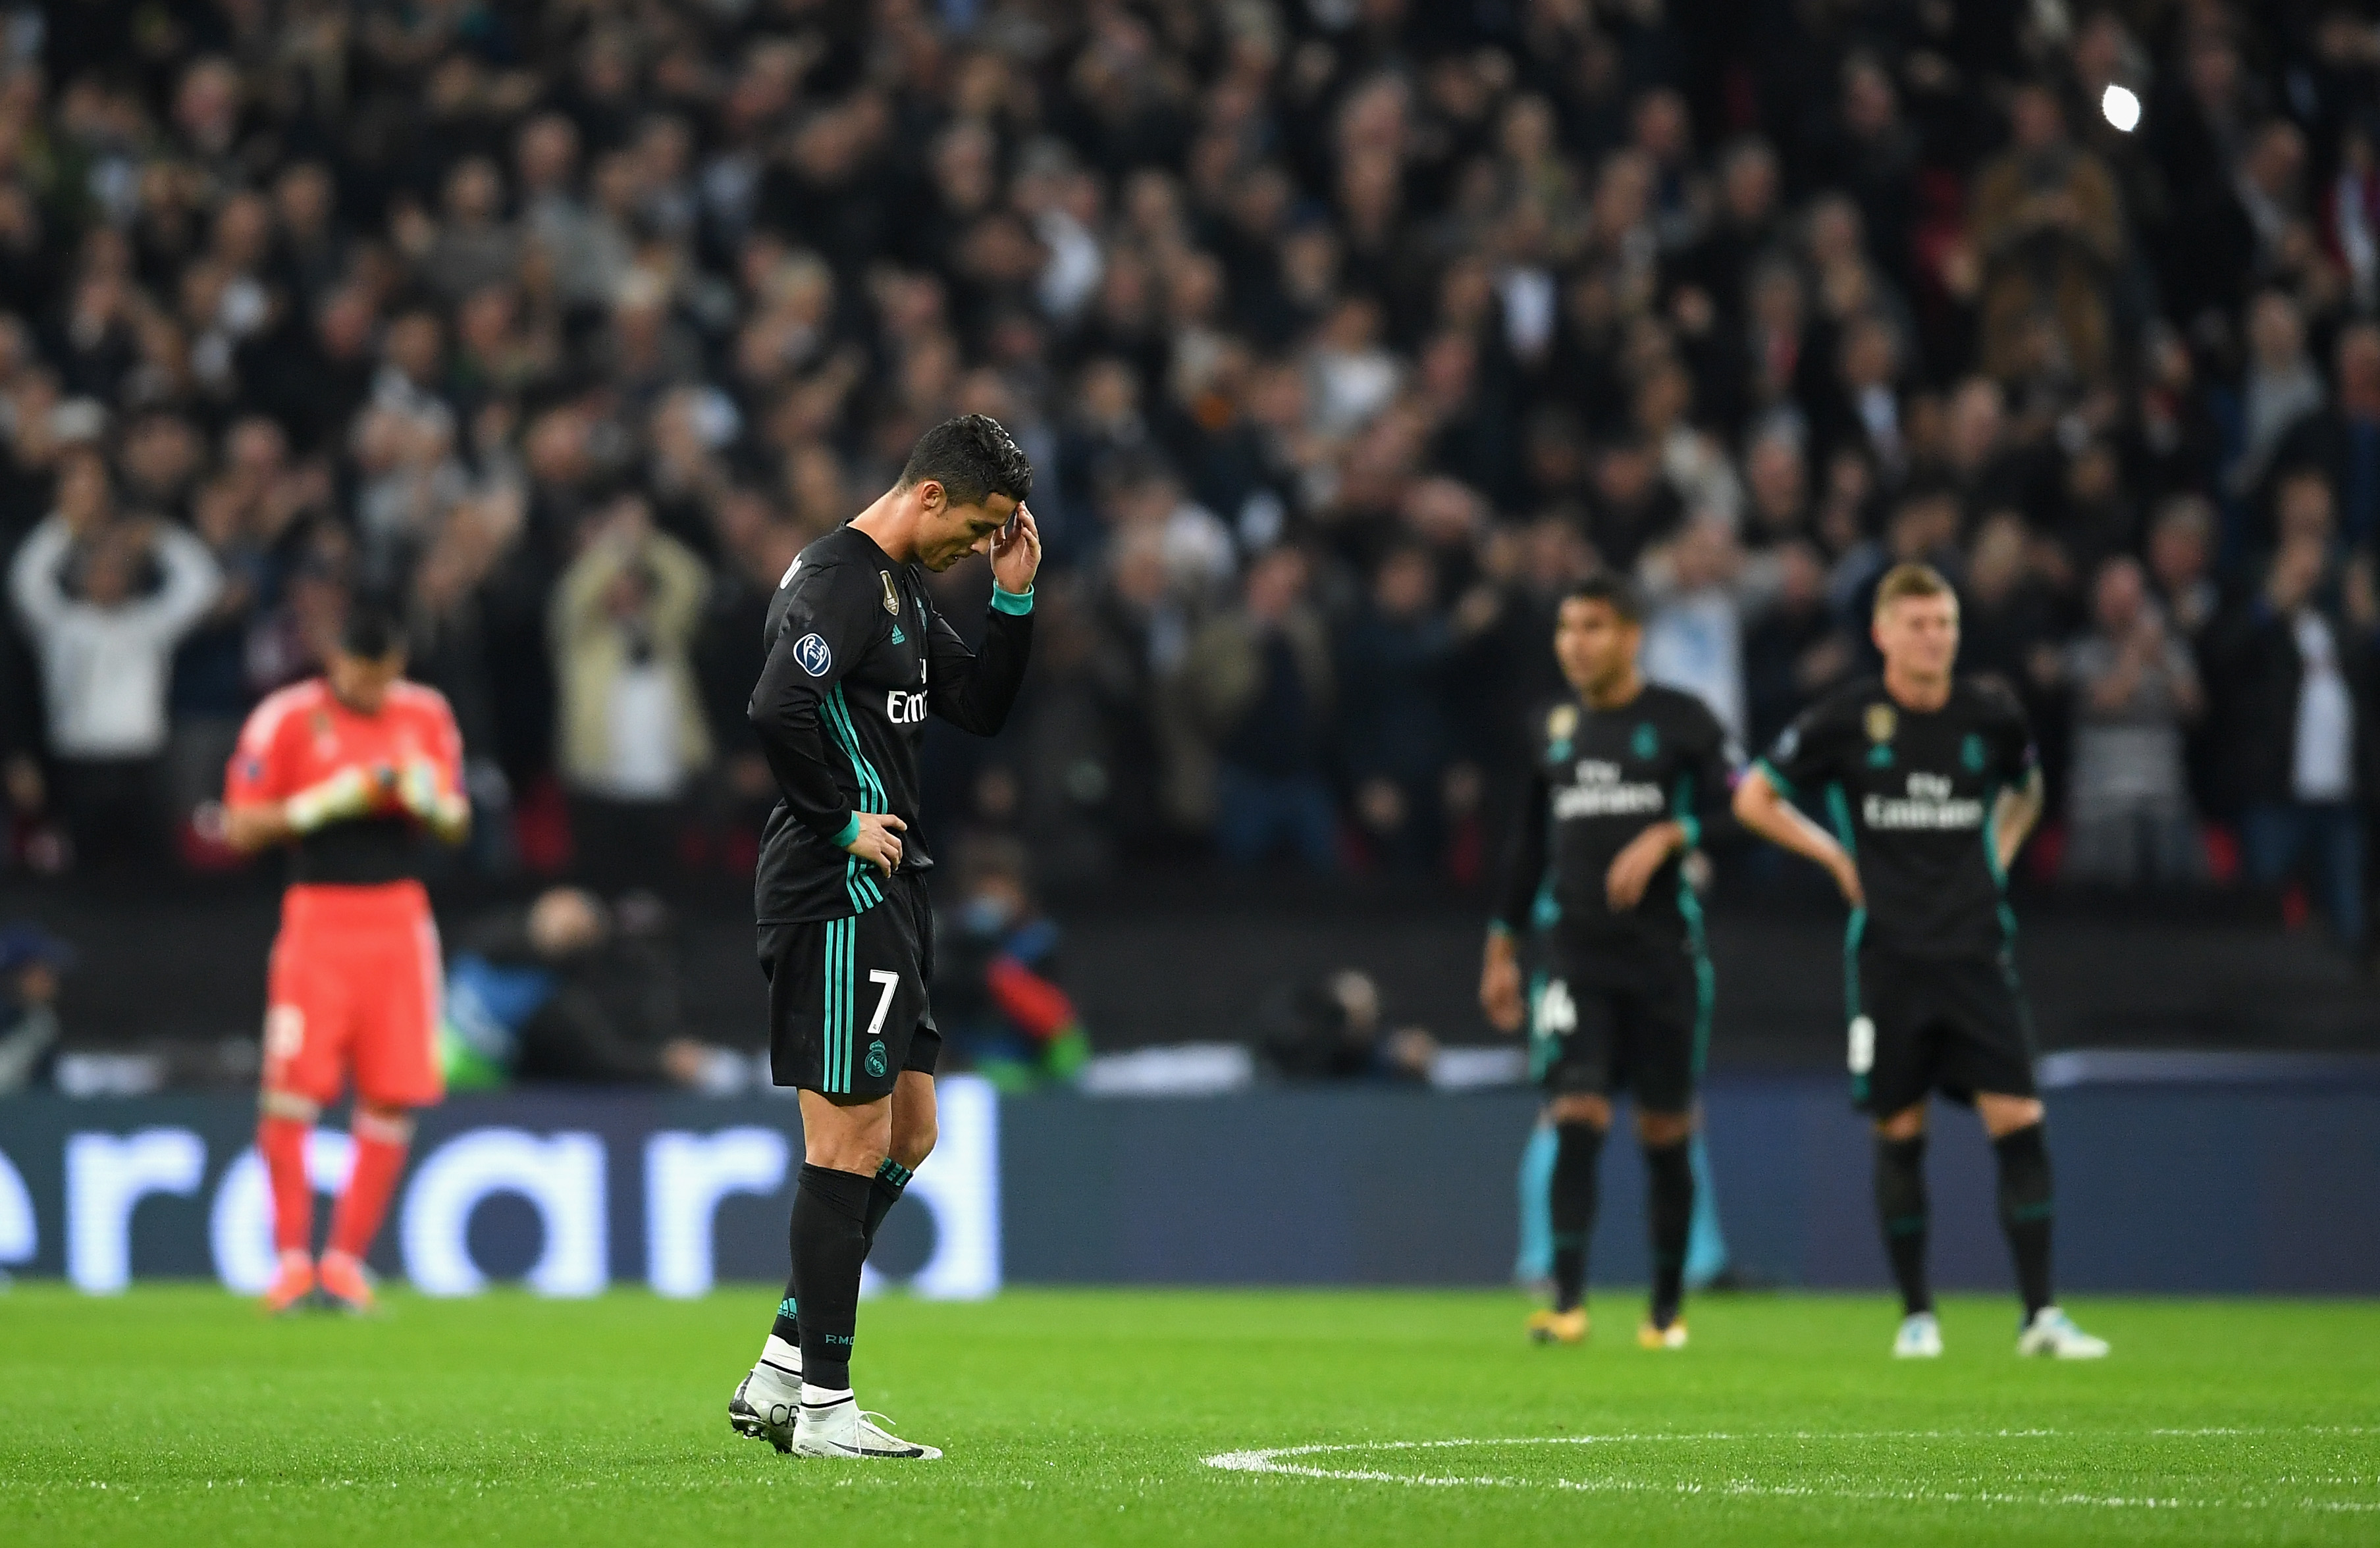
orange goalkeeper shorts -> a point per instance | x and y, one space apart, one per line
354 994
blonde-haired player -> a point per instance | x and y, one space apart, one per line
1930 785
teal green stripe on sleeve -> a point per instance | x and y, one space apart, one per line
1682 811
1015 603
838 719
867 769
831 706
850 831
1782 785
1855 929
1546 913
851 729
864 893
1840 807
1991 831
845 732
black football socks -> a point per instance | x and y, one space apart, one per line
1577 1145
2025 1211
830 1238
1901 1209
892 1180
1670 1182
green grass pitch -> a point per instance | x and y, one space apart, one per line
177 1416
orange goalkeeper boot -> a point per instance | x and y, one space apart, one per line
293 1284
346 1286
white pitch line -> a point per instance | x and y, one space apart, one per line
1270 1461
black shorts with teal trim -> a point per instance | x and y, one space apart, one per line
1919 1024
847 998
1603 1020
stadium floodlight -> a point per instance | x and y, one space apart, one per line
2121 108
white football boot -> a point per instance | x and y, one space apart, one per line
2052 1332
1920 1338
831 1424
769 1397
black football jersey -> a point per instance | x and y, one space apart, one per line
1910 794
1601 778
858 659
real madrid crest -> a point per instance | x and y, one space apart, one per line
892 597
1563 723
1882 721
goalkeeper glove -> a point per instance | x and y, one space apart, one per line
420 791
351 792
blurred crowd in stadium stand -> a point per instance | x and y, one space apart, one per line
1342 334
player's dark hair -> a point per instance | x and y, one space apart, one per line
971 457
1612 591
374 630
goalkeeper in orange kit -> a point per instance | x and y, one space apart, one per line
351 772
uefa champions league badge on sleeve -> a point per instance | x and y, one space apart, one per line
811 651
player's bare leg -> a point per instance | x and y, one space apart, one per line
1669 1208
284 1122
769 1398
381 1136
2014 1124
1580 1119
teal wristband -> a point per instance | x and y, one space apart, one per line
1015 603
850 831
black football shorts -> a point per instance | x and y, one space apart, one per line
1600 1023
1918 1025
847 997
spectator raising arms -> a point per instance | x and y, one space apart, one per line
633 732
107 651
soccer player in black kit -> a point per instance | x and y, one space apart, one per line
1625 776
1931 786
857 658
